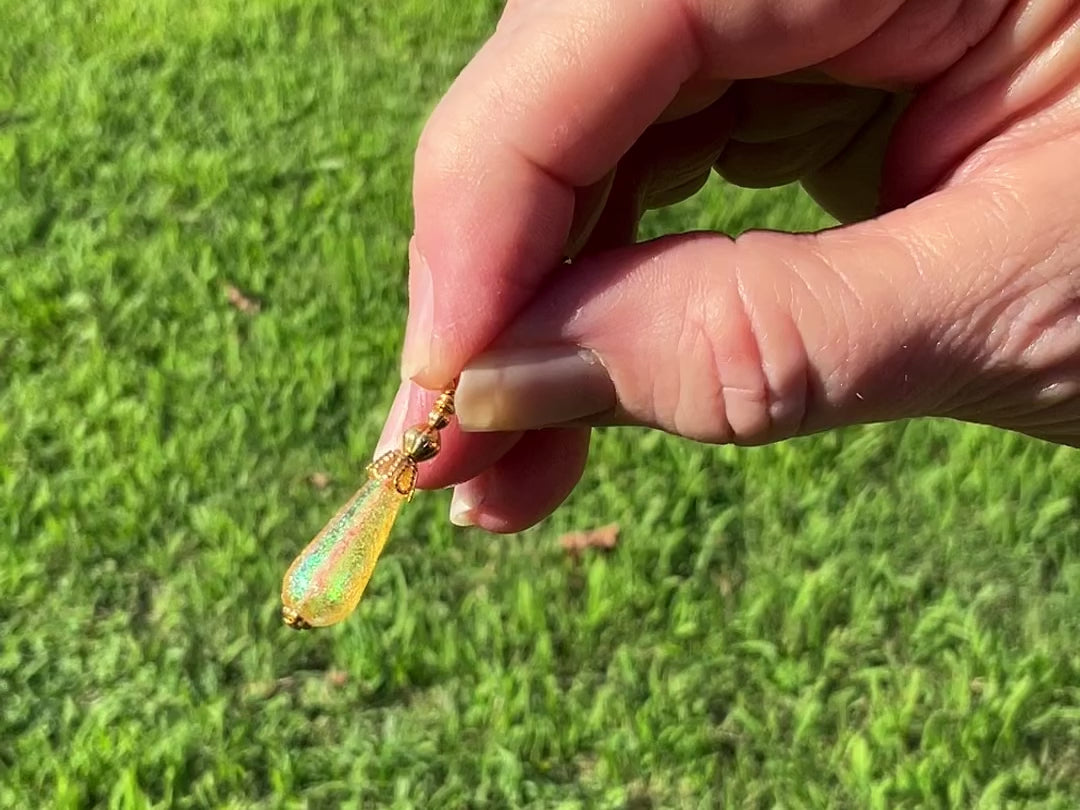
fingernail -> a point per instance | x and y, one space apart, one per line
395 421
463 504
416 353
521 389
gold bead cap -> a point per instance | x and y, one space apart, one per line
419 443
396 467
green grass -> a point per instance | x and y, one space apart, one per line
881 617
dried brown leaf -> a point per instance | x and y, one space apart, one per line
245 303
603 538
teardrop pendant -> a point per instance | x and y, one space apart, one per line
325 582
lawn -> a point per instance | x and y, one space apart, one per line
880 617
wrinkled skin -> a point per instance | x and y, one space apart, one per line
945 134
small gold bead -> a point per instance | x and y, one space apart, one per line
442 410
421 442
445 403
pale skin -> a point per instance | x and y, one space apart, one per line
945 135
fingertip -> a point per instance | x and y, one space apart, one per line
466 500
526 485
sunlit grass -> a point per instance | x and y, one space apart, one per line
882 617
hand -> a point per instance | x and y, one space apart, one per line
946 134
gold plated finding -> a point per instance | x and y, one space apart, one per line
325 582
421 442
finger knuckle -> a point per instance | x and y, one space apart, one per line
724 387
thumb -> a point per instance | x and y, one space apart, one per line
965 304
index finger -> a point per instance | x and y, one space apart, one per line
547 106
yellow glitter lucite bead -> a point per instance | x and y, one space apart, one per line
325 583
